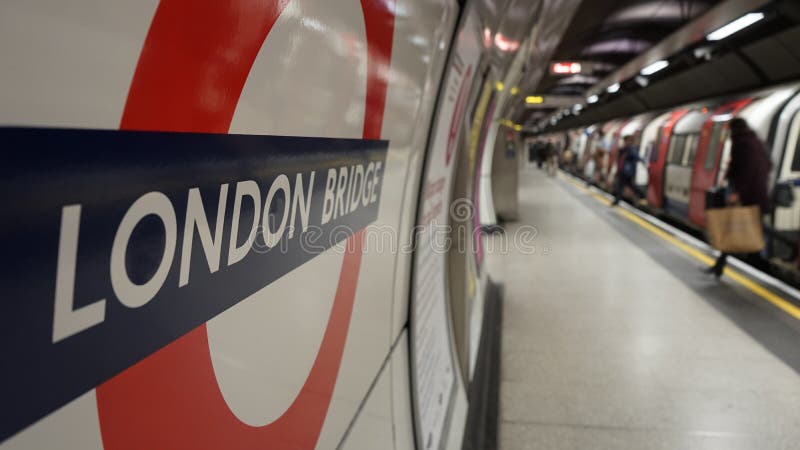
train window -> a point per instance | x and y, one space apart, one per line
671 149
714 144
690 148
676 148
656 145
796 158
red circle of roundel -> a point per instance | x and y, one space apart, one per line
190 74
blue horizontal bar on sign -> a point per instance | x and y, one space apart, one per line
116 243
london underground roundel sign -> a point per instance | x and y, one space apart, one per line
139 335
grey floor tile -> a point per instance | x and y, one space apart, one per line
636 406
547 437
603 348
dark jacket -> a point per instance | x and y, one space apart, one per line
628 154
749 167
549 150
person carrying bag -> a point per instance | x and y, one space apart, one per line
738 228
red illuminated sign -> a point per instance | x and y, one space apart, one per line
565 68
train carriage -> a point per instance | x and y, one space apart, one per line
688 149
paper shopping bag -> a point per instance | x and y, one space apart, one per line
736 229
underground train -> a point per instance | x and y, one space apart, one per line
219 220
687 151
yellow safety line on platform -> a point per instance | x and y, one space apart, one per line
777 301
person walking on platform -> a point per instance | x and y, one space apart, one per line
540 148
551 158
627 162
747 175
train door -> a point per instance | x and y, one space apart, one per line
648 145
589 137
580 148
635 128
786 219
594 153
604 145
569 159
679 161
706 163
658 158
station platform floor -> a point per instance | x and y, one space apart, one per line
614 339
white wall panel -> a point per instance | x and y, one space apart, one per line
372 428
69 64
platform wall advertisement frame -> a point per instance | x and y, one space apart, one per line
432 353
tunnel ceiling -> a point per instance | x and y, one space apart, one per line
698 68
604 35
